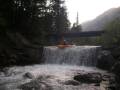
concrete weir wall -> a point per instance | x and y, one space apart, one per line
75 55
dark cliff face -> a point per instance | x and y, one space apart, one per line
99 22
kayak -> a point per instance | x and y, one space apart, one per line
64 46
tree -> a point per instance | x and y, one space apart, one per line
75 28
34 19
28 21
60 20
111 37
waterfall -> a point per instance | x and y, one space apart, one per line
76 55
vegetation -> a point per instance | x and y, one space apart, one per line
111 37
34 19
26 24
76 28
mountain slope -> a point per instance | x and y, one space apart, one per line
99 22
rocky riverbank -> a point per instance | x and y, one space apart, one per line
55 77
109 59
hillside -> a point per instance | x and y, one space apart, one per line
99 22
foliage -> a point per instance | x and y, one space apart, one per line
29 21
111 37
34 18
76 28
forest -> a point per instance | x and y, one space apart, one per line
27 23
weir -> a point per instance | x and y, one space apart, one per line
59 71
75 55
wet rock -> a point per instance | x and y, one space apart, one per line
116 52
97 84
28 75
1 74
116 70
89 78
40 77
105 60
7 72
72 82
105 78
108 82
35 85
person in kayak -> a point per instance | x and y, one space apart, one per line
63 43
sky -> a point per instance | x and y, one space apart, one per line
88 9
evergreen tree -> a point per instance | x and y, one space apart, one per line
34 19
61 22
76 26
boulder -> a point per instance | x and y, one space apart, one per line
89 78
72 82
115 52
35 85
28 75
116 70
105 60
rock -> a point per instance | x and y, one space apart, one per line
116 52
7 72
116 70
89 78
108 81
35 85
72 82
105 60
28 75
97 84
105 78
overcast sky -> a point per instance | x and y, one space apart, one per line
88 9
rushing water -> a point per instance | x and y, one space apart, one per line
52 75
76 55
60 65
